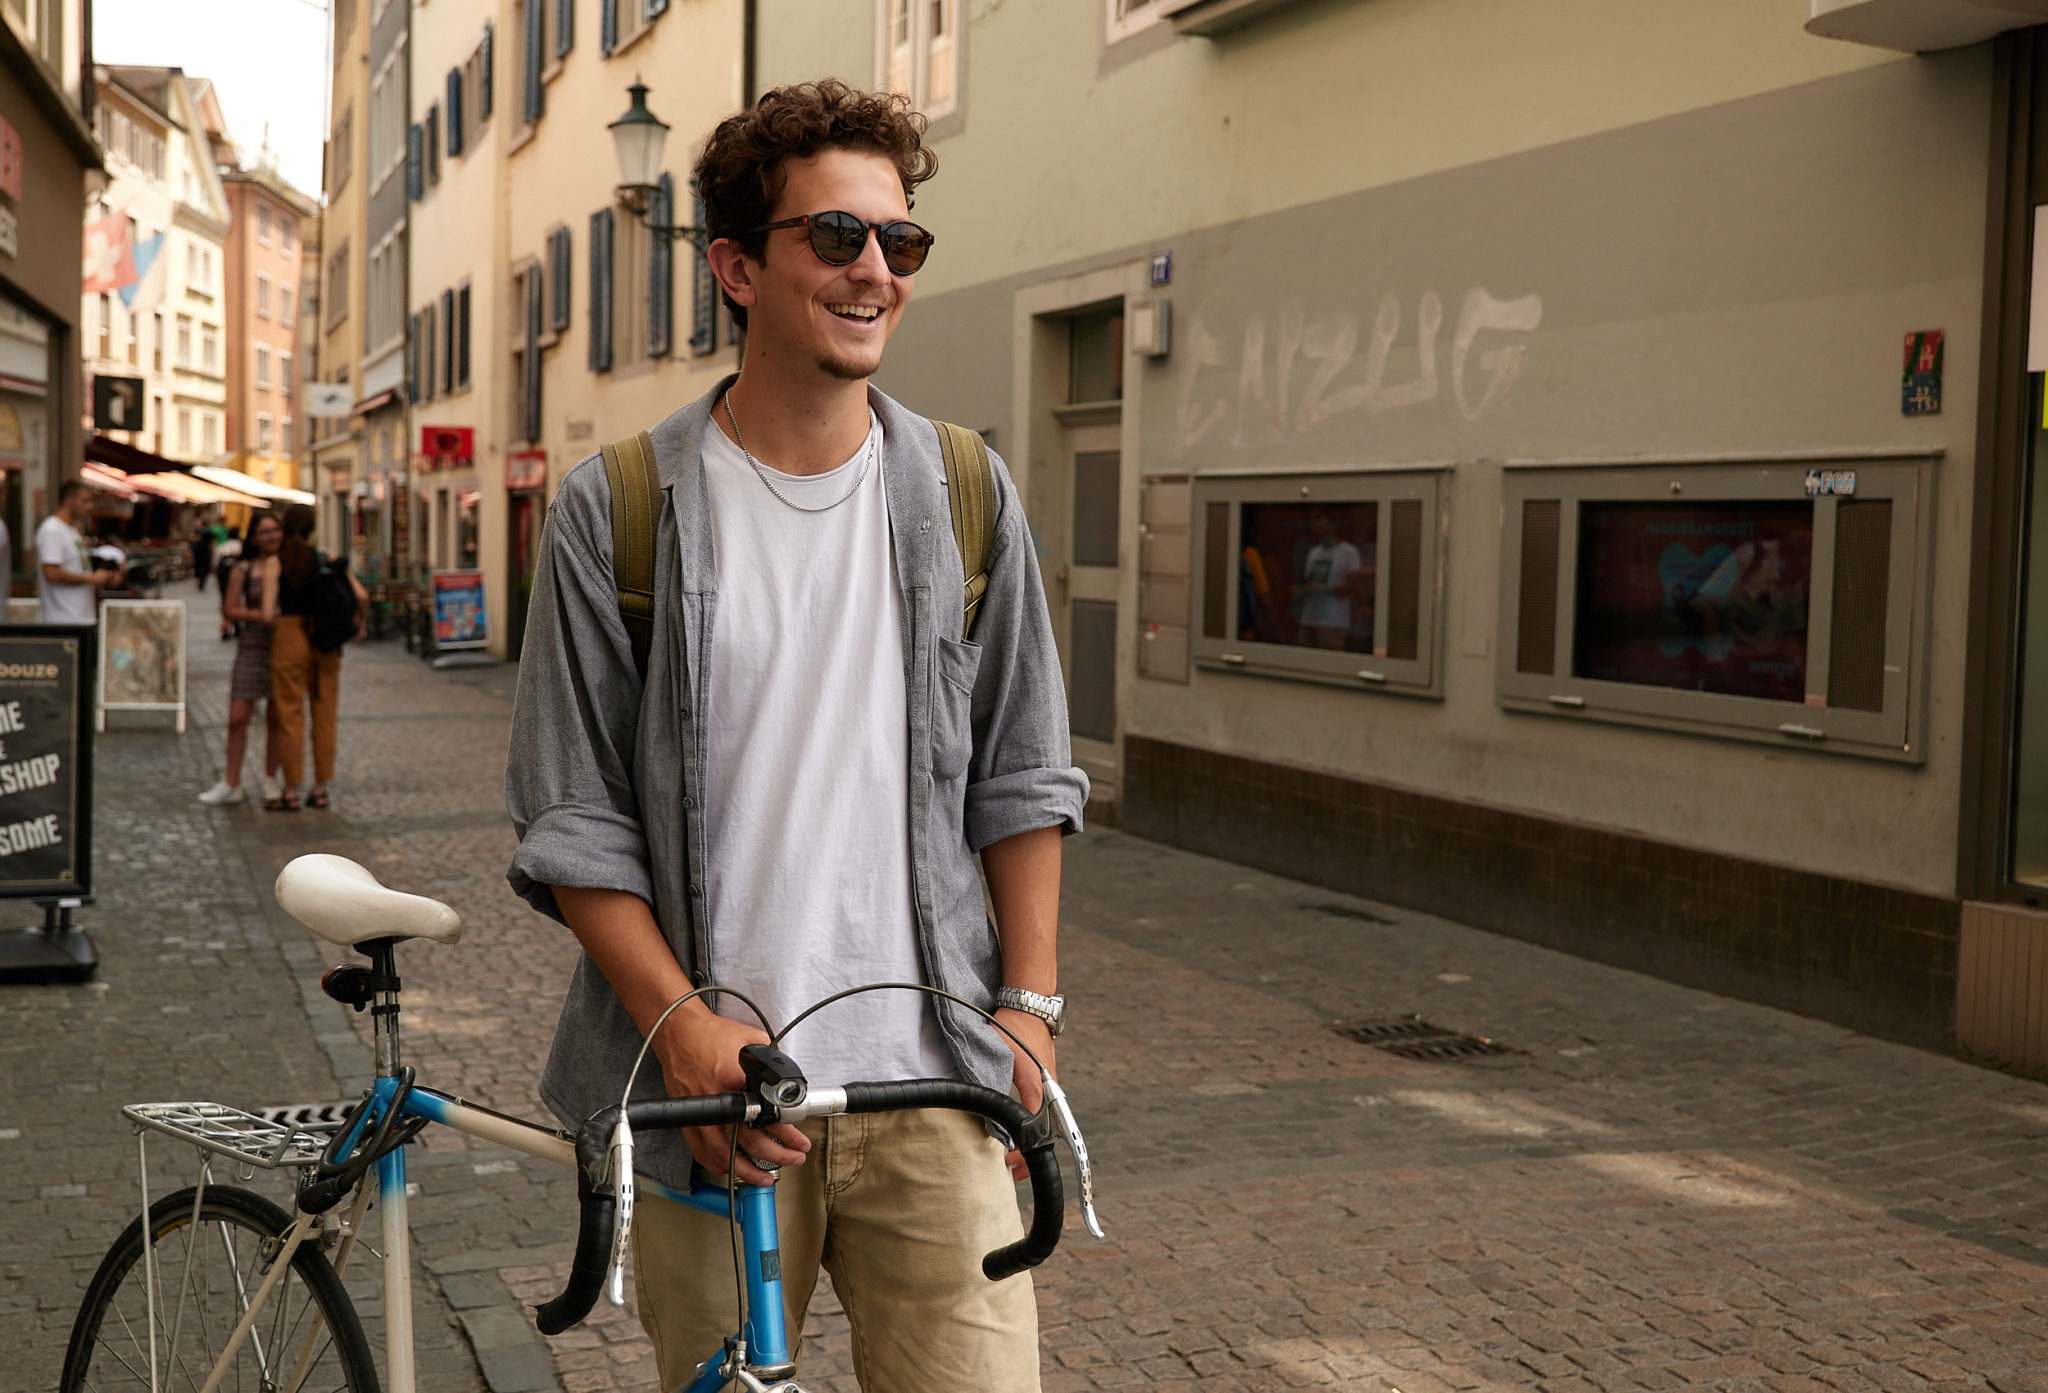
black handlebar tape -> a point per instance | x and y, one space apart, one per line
1048 1201
593 1255
594 1193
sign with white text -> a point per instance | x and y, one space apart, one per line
45 760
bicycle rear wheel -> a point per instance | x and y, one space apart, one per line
206 1274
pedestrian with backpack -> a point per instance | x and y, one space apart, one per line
788 692
319 608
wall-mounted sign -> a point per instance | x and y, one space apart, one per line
10 231
45 760
1921 389
526 470
13 163
1830 483
329 399
459 617
1162 268
117 403
448 445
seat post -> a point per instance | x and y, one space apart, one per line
383 955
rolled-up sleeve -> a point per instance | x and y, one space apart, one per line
569 771
1022 775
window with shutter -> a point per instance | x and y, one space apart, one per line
565 27
454 112
447 341
533 313
661 274
530 59
412 360
413 186
484 107
601 290
703 289
608 25
462 336
1773 602
559 270
1332 577
431 143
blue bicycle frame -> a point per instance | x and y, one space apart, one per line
765 1331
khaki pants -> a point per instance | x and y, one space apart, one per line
299 670
899 1207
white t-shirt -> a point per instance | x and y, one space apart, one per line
1330 564
58 543
807 787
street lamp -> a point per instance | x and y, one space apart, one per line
639 137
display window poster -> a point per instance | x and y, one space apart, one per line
460 620
46 760
143 665
1698 597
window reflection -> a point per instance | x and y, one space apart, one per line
1307 574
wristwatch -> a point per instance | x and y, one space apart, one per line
1050 1009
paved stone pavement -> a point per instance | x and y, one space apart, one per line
1655 1189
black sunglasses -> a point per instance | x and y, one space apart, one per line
839 238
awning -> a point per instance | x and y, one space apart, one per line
107 480
183 488
374 403
250 484
128 459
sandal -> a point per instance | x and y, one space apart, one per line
283 803
317 798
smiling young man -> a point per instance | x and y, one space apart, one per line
793 798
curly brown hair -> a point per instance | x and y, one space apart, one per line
739 175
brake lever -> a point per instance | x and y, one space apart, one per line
621 1163
1064 1114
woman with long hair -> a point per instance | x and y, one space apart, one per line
242 603
298 670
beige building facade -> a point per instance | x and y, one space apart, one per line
337 447
1500 493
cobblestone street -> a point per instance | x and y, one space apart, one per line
1652 1189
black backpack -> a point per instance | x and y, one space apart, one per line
331 605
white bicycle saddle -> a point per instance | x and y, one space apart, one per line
344 904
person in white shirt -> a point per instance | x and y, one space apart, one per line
69 578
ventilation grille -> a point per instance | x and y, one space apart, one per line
1536 618
1863 556
1412 1037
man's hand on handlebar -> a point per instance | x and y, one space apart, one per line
700 1053
1030 1088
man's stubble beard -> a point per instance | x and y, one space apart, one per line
846 370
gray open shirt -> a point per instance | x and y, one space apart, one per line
605 781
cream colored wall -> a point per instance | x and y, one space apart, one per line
341 442
1114 145
130 190
565 171
456 233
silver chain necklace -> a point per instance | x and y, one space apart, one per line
780 497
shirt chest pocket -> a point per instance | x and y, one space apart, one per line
956 663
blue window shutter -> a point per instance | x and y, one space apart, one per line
559 267
608 24
413 187
703 289
447 341
533 294
601 290
535 30
462 352
661 275
655 7
485 85
565 27
454 112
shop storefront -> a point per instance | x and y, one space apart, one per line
46 151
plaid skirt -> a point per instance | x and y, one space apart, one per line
250 680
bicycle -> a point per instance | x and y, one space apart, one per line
298 1329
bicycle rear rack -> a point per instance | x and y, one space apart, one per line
234 1133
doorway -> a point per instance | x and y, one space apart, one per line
1086 588
523 533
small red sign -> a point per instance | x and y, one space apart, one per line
11 161
448 444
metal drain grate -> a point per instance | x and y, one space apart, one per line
311 1117
1345 911
1412 1037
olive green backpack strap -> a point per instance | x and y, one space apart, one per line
629 469
971 487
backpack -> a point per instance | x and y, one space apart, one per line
330 606
629 469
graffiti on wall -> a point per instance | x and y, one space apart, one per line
1297 371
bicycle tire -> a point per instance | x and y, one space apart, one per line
121 1272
